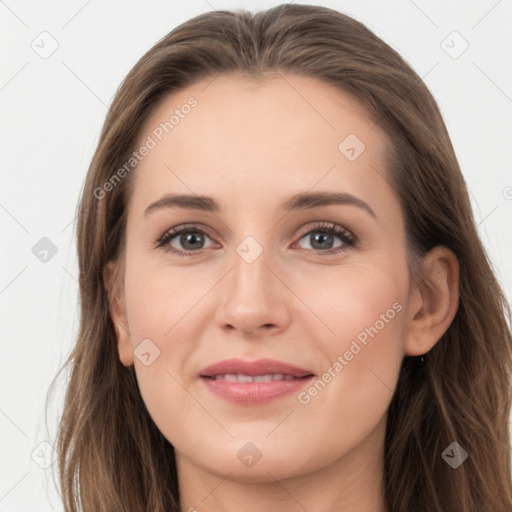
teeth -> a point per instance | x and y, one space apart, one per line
263 378
236 377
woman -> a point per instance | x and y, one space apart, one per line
253 372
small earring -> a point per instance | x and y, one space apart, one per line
422 359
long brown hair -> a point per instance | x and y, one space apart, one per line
113 457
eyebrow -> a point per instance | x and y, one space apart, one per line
300 201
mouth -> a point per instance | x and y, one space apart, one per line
254 382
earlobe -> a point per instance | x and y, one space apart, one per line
434 302
117 310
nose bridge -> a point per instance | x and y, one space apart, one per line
250 274
253 252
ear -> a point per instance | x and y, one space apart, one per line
433 302
117 310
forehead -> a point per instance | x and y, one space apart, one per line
238 137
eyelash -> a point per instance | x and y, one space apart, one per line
349 240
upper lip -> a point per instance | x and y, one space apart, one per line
259 367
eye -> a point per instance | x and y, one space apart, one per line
321 238
191 239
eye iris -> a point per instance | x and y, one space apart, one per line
321 237
191 238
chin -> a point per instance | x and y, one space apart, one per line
257 461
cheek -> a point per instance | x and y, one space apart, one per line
369 317
363 352
162 300
163 312
363 304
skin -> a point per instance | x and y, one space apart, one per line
250 145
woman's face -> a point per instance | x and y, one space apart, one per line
257 276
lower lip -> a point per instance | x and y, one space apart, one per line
254 392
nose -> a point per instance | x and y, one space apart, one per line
254 299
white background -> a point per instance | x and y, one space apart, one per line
52 111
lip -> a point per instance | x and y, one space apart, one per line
254 392
259 367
